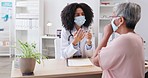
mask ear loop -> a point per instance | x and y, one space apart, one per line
113 21
119 24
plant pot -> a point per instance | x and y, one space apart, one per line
27 65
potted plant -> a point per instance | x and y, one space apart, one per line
28 58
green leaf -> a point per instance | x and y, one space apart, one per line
29 51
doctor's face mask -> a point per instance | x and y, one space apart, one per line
79 20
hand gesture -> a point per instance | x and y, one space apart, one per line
78 36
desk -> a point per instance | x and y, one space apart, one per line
52 68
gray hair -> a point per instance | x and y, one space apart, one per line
131 13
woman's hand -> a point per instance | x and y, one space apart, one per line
88 36
107 32
78 36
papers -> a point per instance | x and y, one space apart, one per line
79 62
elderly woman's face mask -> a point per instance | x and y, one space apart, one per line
115 27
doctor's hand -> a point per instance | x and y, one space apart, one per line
78 36
88 36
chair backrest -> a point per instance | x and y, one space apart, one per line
57 44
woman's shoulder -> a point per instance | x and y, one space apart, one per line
65 32
129 35
123 37
127 38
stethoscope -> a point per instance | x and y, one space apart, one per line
71 35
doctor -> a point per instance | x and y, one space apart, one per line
76 39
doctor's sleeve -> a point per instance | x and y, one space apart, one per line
89 50
67 50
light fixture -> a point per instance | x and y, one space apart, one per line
49 24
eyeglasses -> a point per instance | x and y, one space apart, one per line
113 16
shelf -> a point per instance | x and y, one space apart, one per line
50 46
5 54
49 37
6 27
4 37
105 19
44 49
18 54
4 32
107 6
24 29
31 17
4 46
27 16
27 3
19 29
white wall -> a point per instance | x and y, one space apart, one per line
142 26
53 10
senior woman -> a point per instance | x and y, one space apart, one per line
124 56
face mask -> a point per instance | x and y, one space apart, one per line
79 20
113 24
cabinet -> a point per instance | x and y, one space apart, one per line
5 27
29 21
5 41
105 14
48 46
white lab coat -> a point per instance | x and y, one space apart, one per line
67 48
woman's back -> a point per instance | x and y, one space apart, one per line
125 59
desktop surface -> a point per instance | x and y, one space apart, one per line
57 69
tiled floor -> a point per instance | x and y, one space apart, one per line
5 67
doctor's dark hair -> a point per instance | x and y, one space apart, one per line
131 12
68 14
